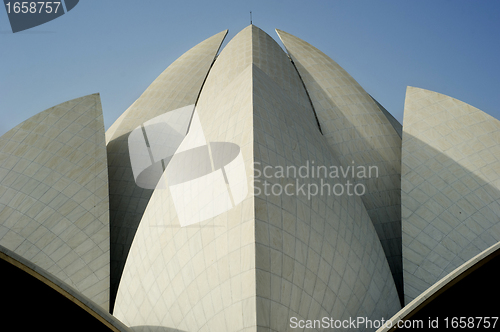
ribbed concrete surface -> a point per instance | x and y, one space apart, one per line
450 186
54 195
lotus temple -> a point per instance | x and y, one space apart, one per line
251 188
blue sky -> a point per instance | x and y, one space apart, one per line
117 48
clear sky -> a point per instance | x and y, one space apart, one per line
117 48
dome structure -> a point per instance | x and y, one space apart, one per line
251 189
